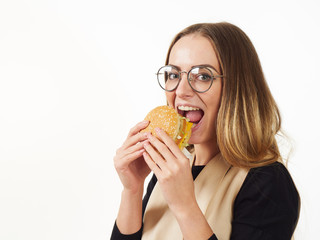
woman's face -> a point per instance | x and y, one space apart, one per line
200 108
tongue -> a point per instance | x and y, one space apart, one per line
194 116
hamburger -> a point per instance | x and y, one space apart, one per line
174 124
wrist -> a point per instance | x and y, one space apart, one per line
133 193
129 218
187 211
192 221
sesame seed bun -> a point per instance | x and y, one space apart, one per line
175 125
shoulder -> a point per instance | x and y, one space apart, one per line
272 181
268 200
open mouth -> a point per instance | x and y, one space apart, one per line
194 114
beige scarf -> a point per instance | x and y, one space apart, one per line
216 188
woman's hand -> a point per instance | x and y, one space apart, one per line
132 170
129 162
172 169
173 172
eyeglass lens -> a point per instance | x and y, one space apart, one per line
200 78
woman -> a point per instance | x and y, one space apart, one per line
237 187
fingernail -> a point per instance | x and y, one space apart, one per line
144 122
158 130
150 136
145 134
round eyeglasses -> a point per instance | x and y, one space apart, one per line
200 78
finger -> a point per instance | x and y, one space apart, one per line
135 136
168 141
135 139
138 127
161 147
123 153
152 165
137 147
121 163
155 156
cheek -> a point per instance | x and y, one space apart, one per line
212 109
213 104
170 98
215 97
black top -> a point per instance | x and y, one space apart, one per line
266 207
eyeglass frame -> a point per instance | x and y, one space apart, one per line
213 77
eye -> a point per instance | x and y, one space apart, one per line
201 74
203 77
172 76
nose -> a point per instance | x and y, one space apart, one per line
184 89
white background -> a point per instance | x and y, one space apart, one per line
75 76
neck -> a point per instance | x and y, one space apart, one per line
205 152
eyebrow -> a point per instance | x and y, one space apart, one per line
206 65
200 65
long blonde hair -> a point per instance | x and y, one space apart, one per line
248 119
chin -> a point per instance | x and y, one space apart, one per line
194 140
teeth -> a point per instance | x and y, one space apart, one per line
187 108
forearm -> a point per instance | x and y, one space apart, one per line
129 219
193 223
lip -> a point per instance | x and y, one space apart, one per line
186 105
195 126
